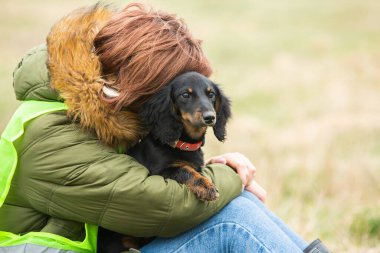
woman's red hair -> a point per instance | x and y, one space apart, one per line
142 50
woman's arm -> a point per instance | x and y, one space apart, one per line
68 174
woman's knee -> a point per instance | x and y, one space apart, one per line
247 221
237 211
222 237
234 237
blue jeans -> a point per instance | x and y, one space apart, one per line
244 225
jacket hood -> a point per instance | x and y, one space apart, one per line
73 75
31 77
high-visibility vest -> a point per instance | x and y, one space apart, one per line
33 241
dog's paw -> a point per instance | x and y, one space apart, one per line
208 194
204 190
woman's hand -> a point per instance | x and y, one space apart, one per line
257 189
246 170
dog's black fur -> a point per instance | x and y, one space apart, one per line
182 111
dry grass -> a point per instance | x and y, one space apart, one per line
304 80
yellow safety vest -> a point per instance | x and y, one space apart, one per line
33 241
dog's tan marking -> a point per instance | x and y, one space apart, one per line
201 186
190 90
189 120
186 116
194 132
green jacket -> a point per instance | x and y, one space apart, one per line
68 172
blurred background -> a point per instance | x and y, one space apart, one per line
304 78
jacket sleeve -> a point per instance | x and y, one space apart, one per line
68 174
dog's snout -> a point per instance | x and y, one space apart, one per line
209 118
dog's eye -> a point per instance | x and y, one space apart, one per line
185 95
211 95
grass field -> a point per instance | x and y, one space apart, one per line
304 78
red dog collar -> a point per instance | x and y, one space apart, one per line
188 146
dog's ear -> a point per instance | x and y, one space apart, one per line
159 116
223 113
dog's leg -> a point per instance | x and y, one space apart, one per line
186 174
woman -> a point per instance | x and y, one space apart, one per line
68 172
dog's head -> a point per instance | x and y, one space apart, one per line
190 103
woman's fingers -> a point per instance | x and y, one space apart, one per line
249 167
257 190
239 163
217 159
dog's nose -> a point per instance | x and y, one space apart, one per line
209 118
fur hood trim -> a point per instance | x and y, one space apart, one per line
75 72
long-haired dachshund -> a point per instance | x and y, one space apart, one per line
177 117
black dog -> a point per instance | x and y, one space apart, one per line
177 117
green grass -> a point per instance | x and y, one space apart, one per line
365 226
304 80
